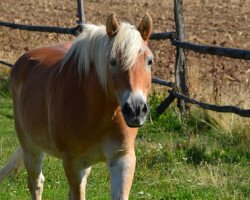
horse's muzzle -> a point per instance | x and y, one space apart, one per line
135 113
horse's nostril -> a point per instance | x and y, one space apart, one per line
127 110
145 108
138 110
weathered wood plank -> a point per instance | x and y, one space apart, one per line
219 51
223 109
180 65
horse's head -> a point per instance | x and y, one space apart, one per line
129 69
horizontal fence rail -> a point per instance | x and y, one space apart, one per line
72 31
203 49
6 63
162 36
219 51
224 109
49 29
163 82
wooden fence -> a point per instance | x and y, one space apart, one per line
179 89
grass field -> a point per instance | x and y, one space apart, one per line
197 161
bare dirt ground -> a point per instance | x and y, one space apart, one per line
211 78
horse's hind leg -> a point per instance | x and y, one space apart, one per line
33 159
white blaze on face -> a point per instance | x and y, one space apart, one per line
129 96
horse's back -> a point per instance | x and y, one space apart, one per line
37 60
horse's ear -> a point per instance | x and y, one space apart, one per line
146 27
112 25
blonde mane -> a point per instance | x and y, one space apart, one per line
94 47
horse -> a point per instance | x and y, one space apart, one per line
83 102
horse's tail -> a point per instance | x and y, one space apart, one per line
15 162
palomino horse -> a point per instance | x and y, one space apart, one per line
82 103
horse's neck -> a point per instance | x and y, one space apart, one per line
88 88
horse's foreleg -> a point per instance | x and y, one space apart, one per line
122 169
33 164
77 178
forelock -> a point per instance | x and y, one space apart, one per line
127 45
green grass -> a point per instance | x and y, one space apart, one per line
174 161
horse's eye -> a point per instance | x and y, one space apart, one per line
150 62
113 62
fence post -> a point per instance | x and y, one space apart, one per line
80 13
180 65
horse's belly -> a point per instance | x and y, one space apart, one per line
32 115
42 132
39 136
